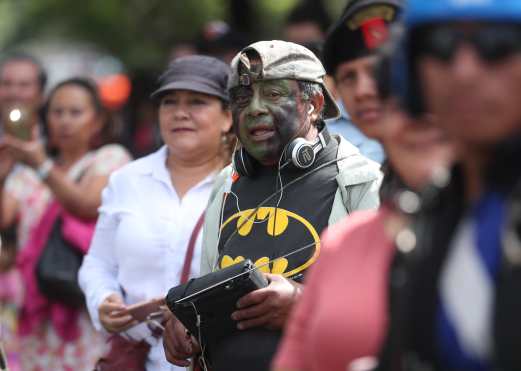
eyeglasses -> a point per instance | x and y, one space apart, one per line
492 42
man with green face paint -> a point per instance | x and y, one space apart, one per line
290 179
265 134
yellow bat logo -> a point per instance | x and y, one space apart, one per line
276 222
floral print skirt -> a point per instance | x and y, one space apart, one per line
44 350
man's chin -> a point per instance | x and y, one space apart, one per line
266 159
269 162
372 129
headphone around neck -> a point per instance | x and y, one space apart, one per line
299 152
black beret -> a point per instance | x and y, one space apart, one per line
361 29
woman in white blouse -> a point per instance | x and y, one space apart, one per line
151 206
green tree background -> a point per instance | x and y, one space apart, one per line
139 32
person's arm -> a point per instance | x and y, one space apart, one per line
359 179
8 204
365 196
98 274
8 207
81 199
209 242
212 220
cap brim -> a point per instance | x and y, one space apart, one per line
331 110
195 86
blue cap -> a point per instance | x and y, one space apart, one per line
425 12
420 12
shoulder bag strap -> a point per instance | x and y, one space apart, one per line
190 250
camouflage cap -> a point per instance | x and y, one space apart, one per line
282 60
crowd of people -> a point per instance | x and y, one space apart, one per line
367 170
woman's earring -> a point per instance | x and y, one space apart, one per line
224 138
311 109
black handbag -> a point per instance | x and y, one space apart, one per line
57 269
209 301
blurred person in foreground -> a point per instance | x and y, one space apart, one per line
342 315
279 101
341 319
153 206
69 177
455 300
349 56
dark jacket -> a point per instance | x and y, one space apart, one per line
410 343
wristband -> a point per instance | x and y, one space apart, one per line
44 169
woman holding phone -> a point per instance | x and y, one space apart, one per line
71 171
151 207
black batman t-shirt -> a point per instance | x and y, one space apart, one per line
291 220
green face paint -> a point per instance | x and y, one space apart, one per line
267 115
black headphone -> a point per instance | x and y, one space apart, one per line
299 152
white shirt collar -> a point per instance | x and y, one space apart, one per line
155 165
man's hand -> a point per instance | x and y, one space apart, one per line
178 343
269 306
113 314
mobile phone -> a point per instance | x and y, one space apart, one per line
18 123
140 311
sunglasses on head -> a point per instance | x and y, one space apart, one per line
492 42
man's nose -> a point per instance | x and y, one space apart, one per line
466 63
366 86
65 119
257 106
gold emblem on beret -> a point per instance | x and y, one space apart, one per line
385 12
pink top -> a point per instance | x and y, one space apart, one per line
342 313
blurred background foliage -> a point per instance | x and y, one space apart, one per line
139 32
124 45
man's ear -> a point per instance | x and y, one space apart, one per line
317 101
